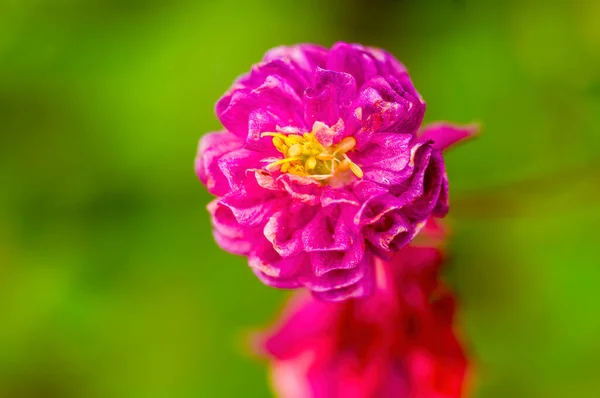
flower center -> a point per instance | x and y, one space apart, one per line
305 156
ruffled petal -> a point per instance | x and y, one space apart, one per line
330 230
352 59
338 196
300 189
285 229
275 270
443 205
237 168
275 95
306 57
228 234
324 261
249 212
425 188
340 278
388 159
375 208
328 100
363 286
384 106
389 234
211 148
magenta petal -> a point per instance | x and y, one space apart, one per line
332 197
394 109
223 220
211 148
335 280
300 189
237 167
249 212
425 188
442 206
284 68
375 208
388 159
331 260
239 246
228 234
306 57
353 291
274 93
361 288
353 59
365 190
261 121
325 233
332 94
445 135
279 271
279 283
389 233
285 230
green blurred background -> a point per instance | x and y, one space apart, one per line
110 282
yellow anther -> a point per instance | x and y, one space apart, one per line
278 143
344 165
284 161
293 139
345 145
295 150
356 170
354 167
304 155
325 156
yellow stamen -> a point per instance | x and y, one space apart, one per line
278 143
325 156
293 139
283 161
344 165
295 150
345 145
304 155
354 167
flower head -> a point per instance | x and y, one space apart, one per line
322 167
398 343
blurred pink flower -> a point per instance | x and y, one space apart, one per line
322 167
397 343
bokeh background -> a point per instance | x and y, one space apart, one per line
110 282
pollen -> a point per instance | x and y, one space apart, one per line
304 155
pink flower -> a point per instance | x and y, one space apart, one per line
397 343
321 167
